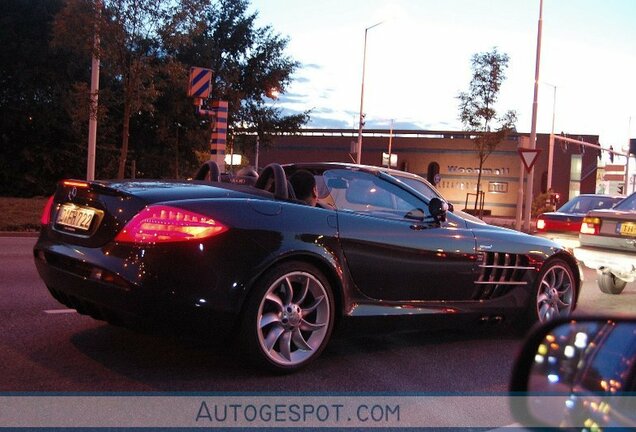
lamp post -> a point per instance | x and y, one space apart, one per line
390 143
533 132
92 119
361 118
551 144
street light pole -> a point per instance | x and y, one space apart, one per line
258 145
92 118
361 118
551 145
390 143
533 132
626 183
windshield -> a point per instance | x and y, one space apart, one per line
420 186
362 192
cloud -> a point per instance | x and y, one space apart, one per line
323 110
327 123
327 93
311 66
290 111
300 79
292 98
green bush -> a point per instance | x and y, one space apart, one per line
21 214
540 204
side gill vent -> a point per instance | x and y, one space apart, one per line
498 272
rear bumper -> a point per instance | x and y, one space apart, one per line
620 264
77 285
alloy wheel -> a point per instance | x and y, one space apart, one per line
555 292
293 319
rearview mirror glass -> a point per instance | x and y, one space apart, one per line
578 373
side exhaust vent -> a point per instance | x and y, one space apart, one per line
498 273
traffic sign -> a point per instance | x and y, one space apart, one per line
528 157
200 82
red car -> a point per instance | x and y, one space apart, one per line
568 218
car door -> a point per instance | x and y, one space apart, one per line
393 248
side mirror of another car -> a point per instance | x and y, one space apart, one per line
438 208
577 373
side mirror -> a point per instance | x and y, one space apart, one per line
438 208
415 214
577 373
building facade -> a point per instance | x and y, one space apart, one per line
448 160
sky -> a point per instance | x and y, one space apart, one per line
418 60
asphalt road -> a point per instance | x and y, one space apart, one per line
46 347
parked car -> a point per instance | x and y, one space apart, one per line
578 374
608 244
564 224
255 265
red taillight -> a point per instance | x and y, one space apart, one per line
163 224
590 225
46 213
540 224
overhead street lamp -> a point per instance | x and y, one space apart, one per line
361 118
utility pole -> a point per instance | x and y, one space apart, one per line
390 142
533 133
92 118
258 145
626 184
362 115
551 145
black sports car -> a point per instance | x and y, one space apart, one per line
252 261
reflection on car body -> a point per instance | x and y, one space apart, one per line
253 264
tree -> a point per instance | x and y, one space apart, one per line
130 48
249 65
147 47
477 107
38 147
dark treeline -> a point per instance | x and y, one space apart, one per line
146 49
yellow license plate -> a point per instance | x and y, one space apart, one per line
628 229
75 217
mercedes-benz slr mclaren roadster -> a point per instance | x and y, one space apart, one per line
241 258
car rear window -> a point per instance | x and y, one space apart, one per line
583 204
628 204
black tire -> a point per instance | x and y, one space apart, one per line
288 318
553 294
610 284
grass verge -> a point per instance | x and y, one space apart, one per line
21 214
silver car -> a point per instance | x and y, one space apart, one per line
608 245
